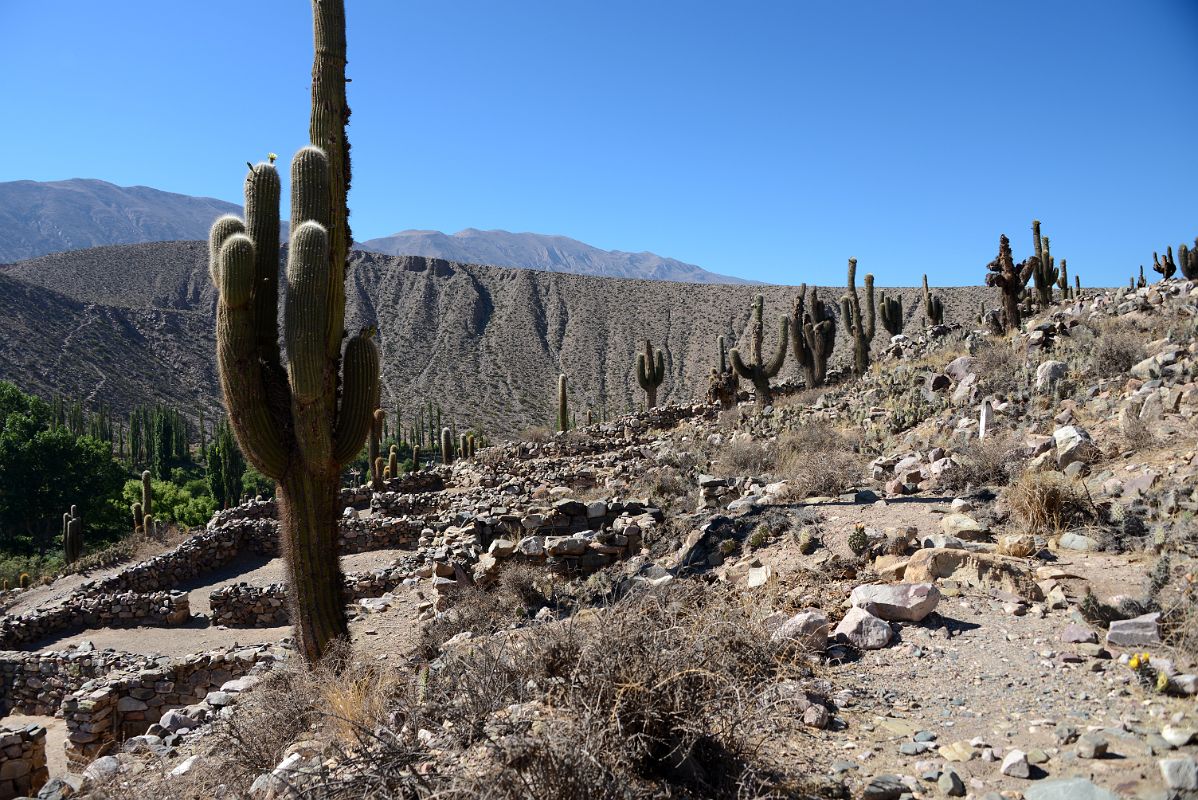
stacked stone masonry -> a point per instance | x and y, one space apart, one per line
120 610
35 684
22 761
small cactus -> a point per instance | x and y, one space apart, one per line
377 421
757 370
23 580
892 314
650 371
393 461
139 518
858 540
72 536
415 458
1141 282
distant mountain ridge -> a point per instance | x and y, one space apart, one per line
540 251
38 218
41 218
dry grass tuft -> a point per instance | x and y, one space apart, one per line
999 367
1114 347
1048 503
993 461
816 459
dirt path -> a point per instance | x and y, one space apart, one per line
56 736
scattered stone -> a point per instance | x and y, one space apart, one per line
904 602
807 630
1180 773
1091 746
863 630
1137 632
1067 789
1015 765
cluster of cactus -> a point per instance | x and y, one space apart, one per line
757 370
72 536
1004 274
858 540
302 422
1187 261
933 306
145 508
891 311
1044 272
650 371
723 384
861 327
563 406
391 470
812 336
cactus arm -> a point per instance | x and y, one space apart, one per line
775 364
359 397
659 373
262 190
237 357
870 317
742 369
308 368
222 229
641 376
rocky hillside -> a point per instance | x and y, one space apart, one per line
37 218
486 343
538 251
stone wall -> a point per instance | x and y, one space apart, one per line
36 683
121 610
241 605
22 761
104 712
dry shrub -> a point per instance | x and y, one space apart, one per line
816 459
993 461
524 587
999 368
664 693
538 434
1115 347
744 456
1135 434
1047 503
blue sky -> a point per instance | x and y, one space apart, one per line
769 140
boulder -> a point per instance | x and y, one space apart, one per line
1049 373
863 630
807 630
903 602
963 526
1073 443
980 570
1136 632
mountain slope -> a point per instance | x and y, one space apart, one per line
538 251
37 218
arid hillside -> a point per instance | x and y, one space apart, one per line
128 323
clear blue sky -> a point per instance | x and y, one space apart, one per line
769 140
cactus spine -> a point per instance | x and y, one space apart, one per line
563 411
891 313
861 327
72 535
933 307
287 419
1011 279
650 371
758 370
378 421
812 336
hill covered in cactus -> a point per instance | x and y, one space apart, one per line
128 324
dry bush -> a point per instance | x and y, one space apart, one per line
524 587
993 461
1114 347
1135 434
999 368
475 611
1047 503
744 456
816 459
538 434
664 693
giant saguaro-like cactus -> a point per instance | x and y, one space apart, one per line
1011 279
812 336
1044 273
650 371
757 370
299 424
861 326
933 306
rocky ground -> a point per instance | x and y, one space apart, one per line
851 593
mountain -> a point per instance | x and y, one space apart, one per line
39 218
538 251
128 324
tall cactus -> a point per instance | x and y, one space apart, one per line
446 446
378 420
288 419
1011 279
1063 280
139 518
757 370
72 536
861 327
1044 274
1166 266
147 493
933 306
812 336
650 371
891 312
563 409
1187 260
